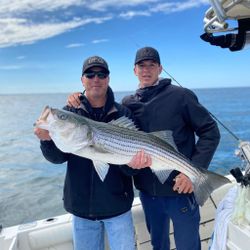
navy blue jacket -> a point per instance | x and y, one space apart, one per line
85 195
169 107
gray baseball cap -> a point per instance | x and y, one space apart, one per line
94 61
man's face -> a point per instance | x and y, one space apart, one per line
95 82
147 72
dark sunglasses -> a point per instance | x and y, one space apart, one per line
99 74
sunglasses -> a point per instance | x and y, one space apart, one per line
99 74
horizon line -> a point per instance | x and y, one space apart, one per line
119 91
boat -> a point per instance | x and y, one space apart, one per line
55 232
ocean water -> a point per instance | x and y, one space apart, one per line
31 188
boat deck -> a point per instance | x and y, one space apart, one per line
55 233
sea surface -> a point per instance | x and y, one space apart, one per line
31 188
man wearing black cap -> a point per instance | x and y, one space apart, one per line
96 205
158 105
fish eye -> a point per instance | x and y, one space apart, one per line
62 116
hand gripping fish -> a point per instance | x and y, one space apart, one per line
118 141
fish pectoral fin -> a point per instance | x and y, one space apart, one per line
101 168
161 174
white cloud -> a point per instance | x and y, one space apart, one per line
16 7
20 57
164 7
21 31
28 21
74 45
102 5
100 41
131 14
10 67
177 6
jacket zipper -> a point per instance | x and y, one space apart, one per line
91 193
154 185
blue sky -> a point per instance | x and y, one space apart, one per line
43 44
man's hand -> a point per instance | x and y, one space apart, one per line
42 134
183 184
73 100
140 160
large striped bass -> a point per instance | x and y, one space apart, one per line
118 141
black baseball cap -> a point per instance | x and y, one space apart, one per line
147 53
94 61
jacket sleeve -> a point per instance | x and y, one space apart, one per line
128 170
52 153
205 128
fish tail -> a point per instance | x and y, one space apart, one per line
206 184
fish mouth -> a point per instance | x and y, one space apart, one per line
43 117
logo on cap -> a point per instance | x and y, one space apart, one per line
95 59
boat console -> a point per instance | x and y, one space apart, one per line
217 20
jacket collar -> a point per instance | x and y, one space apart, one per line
144 93
107 108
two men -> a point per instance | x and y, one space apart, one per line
158 105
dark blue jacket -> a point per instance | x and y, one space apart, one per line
169 107
85 195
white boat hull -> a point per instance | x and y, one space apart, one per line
55 233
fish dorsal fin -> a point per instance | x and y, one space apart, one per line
124 122
165 135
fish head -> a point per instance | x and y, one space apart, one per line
69 131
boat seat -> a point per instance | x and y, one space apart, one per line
141 234
56 238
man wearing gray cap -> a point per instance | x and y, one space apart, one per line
158 105
96 205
